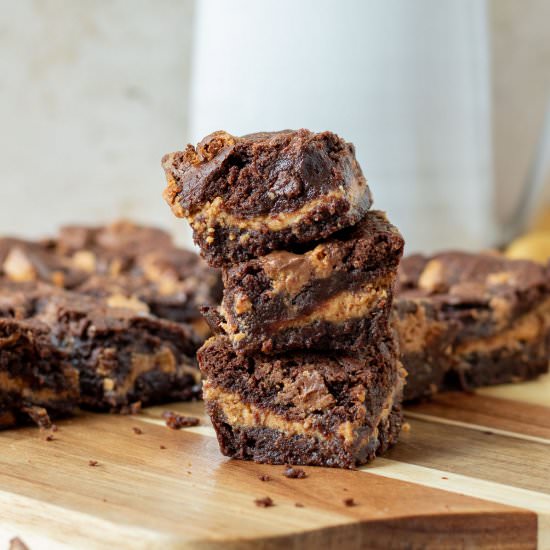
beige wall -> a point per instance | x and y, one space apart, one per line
91 95
520 51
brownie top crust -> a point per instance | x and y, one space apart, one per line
263 173
87 317
460 282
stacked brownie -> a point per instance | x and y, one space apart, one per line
469 320
304 367
105 318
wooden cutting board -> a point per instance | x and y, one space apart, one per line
472 471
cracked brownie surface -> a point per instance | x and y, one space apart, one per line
245 196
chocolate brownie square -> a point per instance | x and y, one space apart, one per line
123 355
246 196
303 408
125 260
335 295
170 283
36 378
480 319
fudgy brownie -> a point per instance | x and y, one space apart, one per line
303 408
122 258
35 376
335 296
122 354
469 320
110 249
246 196
22 261
172 284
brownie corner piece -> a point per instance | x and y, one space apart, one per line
334 295
245 196
303 408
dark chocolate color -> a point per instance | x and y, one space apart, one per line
327 390
368 253
471 298
265 174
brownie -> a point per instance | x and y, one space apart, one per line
36 378
109 249
171 283
469 320
22 261
123 355
123 259
246 196
303 408
335 295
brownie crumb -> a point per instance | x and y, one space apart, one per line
177 421
49 437
137 431
298 505
349 502
406 427
39 415
162 447
444 477
93 463
17 544
264 477
264 502
294 473
488 432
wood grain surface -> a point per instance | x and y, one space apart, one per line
473 471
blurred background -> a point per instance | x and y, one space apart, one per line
448 104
